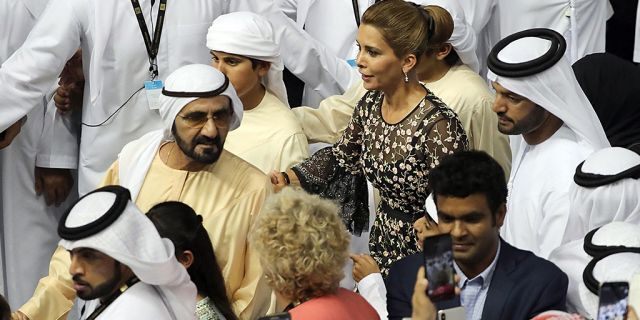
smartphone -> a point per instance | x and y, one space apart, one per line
438 263
456 313
613 301
278 316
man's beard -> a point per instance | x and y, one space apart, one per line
532 122
102 290
207 157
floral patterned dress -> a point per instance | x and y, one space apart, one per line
396 159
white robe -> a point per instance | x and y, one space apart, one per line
24 213
140 302
582 22
332 24
266 144
115 65
538 201
482 15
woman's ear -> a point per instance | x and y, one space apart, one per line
409 62
186 259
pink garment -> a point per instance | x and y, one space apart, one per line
557 315
344 305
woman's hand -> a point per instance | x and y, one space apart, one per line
363 265
278 181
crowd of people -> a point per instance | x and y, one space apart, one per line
158 160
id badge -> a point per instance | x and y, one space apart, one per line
353 54
153 89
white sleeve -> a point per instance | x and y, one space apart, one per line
289 8
261 7
309 60
478 12
58 145
29 73
372 289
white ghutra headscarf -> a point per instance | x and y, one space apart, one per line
107 221
250 35
192 81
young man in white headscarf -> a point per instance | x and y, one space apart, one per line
120 266
553 128
186 162
243 47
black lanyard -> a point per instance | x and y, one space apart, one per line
151 44
356 11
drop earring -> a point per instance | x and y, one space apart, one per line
406 77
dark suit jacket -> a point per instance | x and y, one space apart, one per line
523 285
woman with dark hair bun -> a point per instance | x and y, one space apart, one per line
180 224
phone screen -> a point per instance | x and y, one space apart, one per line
613 301
438 263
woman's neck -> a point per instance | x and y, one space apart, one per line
400 100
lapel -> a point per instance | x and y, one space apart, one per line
501 283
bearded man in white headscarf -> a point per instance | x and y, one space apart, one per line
186 162
121 267
605 196
553 128
243 47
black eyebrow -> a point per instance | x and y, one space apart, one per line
466 216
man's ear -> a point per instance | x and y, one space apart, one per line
409 62
263 68
443 51
186 259
502 212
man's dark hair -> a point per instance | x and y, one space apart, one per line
468 172
5 310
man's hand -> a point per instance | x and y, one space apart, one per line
423 308
19 316
363 265
69 97
54 183
8 135
69 94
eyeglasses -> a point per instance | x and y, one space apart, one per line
197 119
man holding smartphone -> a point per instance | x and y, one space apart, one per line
497 280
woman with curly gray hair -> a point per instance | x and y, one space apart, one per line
303 246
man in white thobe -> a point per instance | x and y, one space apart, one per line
121 267
605 191
614 265
333 24
117 108
552 128
243 47
23 212
582 22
